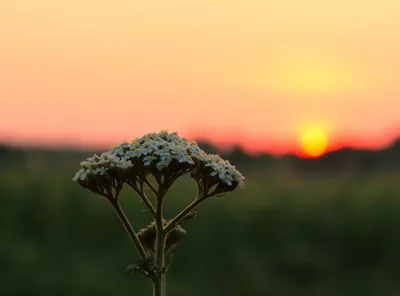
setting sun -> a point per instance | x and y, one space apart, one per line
314 141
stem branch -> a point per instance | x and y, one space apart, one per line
129 229
152 188
144 199
182 214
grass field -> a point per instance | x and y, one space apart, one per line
285 233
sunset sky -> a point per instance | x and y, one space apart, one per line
90 73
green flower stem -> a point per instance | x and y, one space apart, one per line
182 214
160 245
144 199
129 229
152 188
157 287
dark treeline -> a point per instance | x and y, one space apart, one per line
344 159
340 160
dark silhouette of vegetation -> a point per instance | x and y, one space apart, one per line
343 159
326 226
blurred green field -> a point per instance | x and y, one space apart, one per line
285 233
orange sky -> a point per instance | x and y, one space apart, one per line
97 72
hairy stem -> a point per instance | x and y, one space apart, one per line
129 229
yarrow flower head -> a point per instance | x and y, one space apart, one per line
213 171
164 155
101 174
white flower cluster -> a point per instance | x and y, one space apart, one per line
161 149
105 165
222 169
157 151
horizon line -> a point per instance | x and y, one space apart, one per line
222 147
